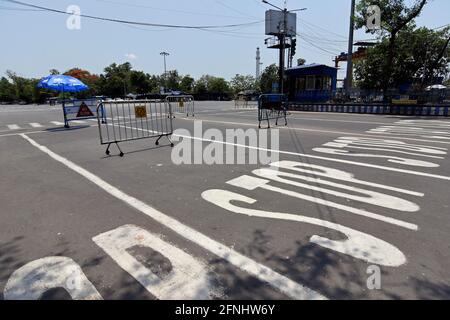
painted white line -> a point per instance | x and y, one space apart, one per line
78 122
13 127
57 123
265 274
36 125
360 164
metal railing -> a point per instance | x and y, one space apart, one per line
182 105
122 121
272 106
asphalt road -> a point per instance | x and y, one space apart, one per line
350 195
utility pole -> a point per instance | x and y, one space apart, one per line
282 38
349 83
165 54
282 33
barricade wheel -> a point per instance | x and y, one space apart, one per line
172 145
107 152
121 154
157 143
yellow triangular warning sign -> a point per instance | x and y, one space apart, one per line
84 111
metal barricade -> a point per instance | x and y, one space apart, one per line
122 121
181 104
76 110
272 106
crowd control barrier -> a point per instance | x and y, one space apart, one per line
123 121
272 106
181 105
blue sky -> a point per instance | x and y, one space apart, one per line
34 42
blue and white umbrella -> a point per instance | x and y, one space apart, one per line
62 83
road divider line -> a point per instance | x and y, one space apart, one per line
35 125
281 283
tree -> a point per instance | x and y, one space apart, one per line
7 93
268 77
91 80
187 84
139 82
242 83
218 86
115 82
396 17
172 80
421 56
54 72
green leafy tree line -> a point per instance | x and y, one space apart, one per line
119 80
406 54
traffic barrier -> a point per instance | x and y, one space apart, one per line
272 106
123 121
76 110
184 104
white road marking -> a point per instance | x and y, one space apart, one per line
13 127
78 121
32 280
263 273
393 159
57 123
353 193
358 245
319 171
188 278
317 130
361 164
36 125
252 183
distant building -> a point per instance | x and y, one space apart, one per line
311 83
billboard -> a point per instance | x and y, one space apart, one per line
275 23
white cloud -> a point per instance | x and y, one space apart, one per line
131 56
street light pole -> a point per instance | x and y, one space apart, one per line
165 54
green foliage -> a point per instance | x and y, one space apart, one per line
187 84
242 83
383 67
420 56
268 77
210 84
